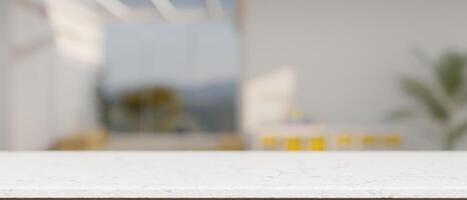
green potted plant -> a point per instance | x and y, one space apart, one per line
442 99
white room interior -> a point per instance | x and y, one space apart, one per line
347 56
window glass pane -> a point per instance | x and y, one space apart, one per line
172 77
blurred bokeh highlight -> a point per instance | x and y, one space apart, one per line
278 75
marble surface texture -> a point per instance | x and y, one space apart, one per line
233 174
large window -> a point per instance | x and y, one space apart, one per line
171 77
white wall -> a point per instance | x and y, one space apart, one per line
3 70
51 76
31 66
348 53
79 58
75 98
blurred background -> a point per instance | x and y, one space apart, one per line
281 75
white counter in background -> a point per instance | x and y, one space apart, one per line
233 174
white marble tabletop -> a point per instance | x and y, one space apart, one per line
233 174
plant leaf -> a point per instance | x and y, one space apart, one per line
449 71
422 93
